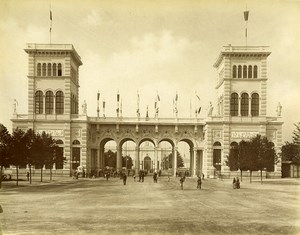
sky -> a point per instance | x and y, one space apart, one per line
152 47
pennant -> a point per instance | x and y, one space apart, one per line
158 98
98 95
198 97
50 15
199 110
176 97
246 15
118 97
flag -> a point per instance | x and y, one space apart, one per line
98 95
176 97
246 15
158 97
198 97
50 15
118 97
155 104
199 110
103 104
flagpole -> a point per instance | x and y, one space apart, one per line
50 23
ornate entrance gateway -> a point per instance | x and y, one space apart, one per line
102 130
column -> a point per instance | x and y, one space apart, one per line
44 104
119 158
249 107
191 162
98 160
194 162
175 160
239 107
54 104
155 158
137 160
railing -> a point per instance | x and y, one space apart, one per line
50 46
245 48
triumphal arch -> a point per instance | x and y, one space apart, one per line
240 113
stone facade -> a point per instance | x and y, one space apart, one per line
241 85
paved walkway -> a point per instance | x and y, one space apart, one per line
97 206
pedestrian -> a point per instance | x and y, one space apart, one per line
124 178
181 182
27 174
134 176
234 183
199 182
107 176
143 175
155 177
237 183
202 176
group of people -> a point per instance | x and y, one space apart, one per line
236 183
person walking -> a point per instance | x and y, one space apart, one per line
237 183
181 182
234 183
124 178
199 182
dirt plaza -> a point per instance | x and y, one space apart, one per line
97 206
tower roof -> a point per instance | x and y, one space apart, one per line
239 51
58 48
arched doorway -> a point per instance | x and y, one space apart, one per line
217 150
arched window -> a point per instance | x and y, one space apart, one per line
240 71
234 71
49 102
234 104
59 142
250 71
38 102
76 142
255 104
49 70
59 102
54 70
59 70
217 148
44 69
39 69
244 71
255 72
245 104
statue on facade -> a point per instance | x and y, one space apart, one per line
278 110
84 107
210 109
15 106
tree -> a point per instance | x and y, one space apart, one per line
233 158
110 158
296 134
5 154
180 162
19 146
291 152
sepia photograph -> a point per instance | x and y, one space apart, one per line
150 117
